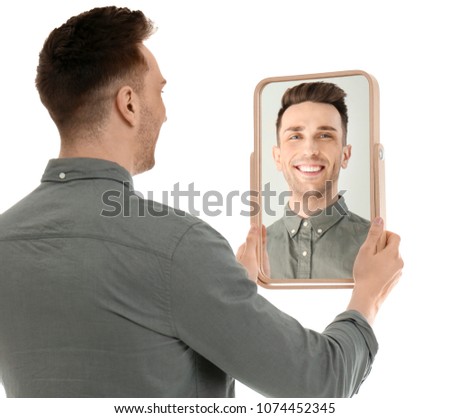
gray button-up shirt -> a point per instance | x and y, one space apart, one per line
104 294
323 246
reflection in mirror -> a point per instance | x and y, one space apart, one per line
314 171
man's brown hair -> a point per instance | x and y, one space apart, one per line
317 92
82 61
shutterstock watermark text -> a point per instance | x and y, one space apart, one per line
127 202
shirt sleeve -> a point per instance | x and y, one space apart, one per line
217 311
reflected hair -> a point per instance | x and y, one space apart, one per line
83 61
317 92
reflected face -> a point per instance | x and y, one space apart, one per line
152 114
310 150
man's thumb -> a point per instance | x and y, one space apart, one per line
375 233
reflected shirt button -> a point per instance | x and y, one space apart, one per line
305 223
62 176
319 231
304 253
293 231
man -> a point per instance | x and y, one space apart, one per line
318 237
148 302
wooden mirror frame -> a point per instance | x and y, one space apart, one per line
377 178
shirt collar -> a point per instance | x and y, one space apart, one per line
320 222
62 170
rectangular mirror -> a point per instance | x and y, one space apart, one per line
317 175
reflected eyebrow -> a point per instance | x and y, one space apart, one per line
326 128
294 129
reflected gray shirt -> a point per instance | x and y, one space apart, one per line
322 246
104 294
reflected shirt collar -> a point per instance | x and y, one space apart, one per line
63 170
324 220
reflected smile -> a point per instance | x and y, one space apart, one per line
310 169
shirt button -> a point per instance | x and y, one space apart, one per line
293 231
62 176
319 231
305 223
304 253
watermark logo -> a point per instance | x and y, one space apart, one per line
127 202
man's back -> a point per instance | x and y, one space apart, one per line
91 308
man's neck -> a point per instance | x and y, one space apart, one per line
307 205
77 149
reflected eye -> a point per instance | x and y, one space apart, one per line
325 136
294 137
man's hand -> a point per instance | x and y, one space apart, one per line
247 252
377 269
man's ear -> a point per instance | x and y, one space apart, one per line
346 154
127 104
276 156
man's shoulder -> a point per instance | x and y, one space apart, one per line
275 227
19 211
276 235
158 224
156 210
141 224
357 226
358 220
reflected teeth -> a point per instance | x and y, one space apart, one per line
310 168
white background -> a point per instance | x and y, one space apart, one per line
213 53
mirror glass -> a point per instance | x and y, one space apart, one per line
314 174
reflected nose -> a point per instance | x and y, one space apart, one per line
311 147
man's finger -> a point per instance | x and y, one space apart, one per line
252 237
374 235
392 240
240 252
